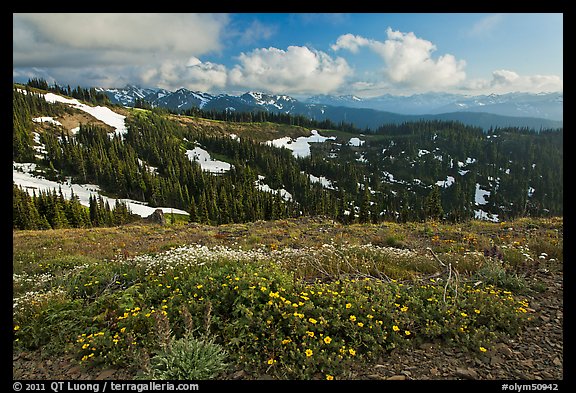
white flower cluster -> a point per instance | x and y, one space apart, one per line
30 280
20 304
193 255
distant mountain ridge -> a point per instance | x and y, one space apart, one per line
542 105
509 110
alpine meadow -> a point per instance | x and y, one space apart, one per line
269 219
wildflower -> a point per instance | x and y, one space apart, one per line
327 340
312 321
310 334
329 377
352 352
360 324
286 341
482 349
348 305
407 332
16 328
271 361
464 314
395 328
85 346
309 352
353 318
404 309
477 311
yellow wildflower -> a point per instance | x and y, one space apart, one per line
309 352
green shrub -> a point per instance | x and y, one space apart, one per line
494 272
189 358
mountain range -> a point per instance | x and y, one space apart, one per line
544 110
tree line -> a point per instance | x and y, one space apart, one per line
51 210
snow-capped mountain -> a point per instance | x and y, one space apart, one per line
543 105
271 102
183 99
129 94
516 109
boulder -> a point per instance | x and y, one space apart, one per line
157 217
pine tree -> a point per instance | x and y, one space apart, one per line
433 205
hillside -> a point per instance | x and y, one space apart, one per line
114 288
238 171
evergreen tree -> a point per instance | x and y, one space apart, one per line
433 205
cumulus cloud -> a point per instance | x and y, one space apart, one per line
193 75
511 81
295 70
505 81
52 39
408 60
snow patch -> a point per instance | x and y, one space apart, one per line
206 162
445 183
21 175
355 142
480 195
300 147
101 113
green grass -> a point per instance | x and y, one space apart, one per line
293 299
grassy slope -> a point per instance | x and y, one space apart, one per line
254 323
142 238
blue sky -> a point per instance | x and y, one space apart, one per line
296 54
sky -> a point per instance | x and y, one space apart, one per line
297 54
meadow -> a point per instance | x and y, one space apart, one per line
293 299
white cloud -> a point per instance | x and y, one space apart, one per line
257 31
486 25
408 60
511 81
193 75
295 70
52 39
506 81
